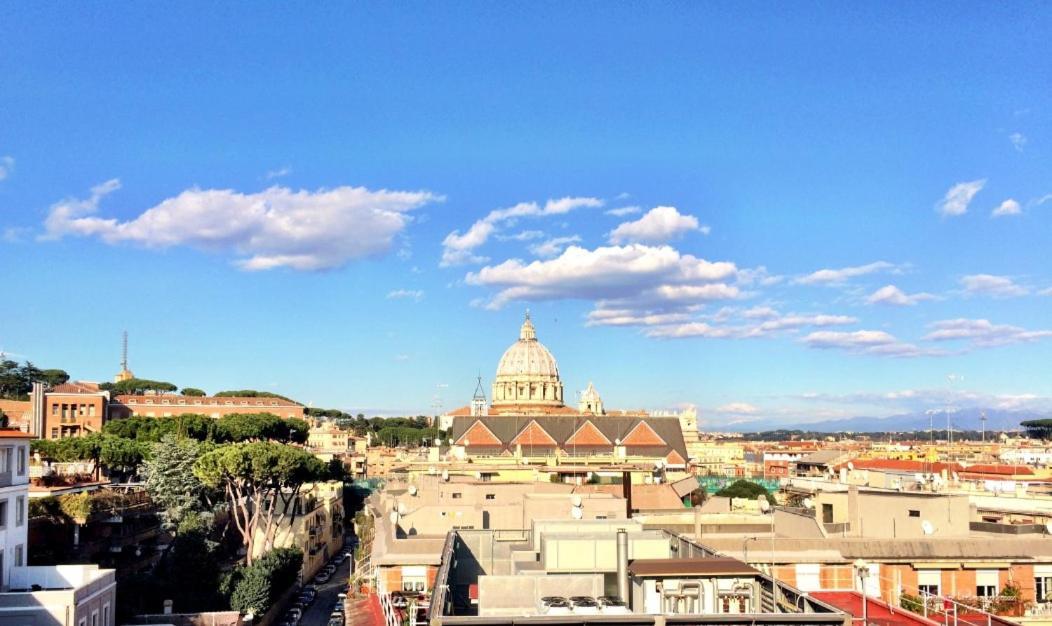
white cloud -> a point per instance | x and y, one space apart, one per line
458 249
553 247
993 286
659 225
631 317
841 275
1008 207
276 227
1045 292
281 172
415 295
773 324
7 165
890 294
635 273
981 333
872 342
623 211
957 199
1018 141
737 408
525 235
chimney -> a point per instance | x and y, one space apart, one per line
622 566
36 422
626 491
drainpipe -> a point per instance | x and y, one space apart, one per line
626 491
622 566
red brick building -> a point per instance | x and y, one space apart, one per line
170 405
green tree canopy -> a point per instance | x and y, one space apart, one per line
16 381
153 429
249 393
257 426
260 481
1038 429
745 489
171 482
260 584
138 386
192 392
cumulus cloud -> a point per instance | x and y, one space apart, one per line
1018 141
737 408
993 286
842 275
1008 207
623 211
553 247
872 342
459 249
659 225
633 273
416 295
276 227
7 165
957 199
981 333
892 295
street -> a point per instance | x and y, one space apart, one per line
317 614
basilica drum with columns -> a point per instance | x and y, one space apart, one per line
527 416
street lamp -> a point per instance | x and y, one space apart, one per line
745 548
862 570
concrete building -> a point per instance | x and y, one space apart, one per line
554 571
63 595
72 409
315 525
169 405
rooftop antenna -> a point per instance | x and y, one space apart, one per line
124 351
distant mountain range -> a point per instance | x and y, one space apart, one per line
962 419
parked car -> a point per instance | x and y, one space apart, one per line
335 621
322 578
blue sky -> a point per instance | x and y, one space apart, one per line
773 213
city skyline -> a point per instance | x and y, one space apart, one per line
719 209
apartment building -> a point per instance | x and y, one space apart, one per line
315 526
72 409
60 595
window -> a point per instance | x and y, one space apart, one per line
23 453
3 513
827 513
914 513
54 433
986 583
491 496
19 554
95 618
414 578
456 495
1043 588
929 582
106 614
91 410
928 590
20 510
82 622
54 410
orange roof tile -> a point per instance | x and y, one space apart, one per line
478 435
533 435
643 435
588 435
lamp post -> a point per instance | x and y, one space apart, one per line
745 549
862 570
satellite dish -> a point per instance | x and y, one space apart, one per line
394 517
919 477
402 508
412 490
851 466
576 513
617 442
659 464
576 500
809 503
764 504
927 527
445 475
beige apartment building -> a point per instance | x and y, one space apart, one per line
317 528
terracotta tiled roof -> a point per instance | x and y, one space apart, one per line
999 470
75 386
901 465
14 434
172 399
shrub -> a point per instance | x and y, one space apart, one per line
259 585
